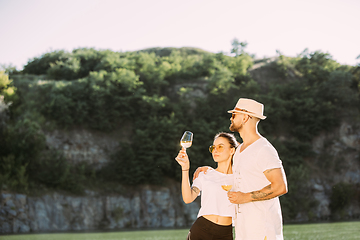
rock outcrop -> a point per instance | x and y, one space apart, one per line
145 207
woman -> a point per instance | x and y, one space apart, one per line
215 215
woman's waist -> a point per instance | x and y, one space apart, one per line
220 220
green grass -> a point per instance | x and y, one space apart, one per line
131 235
318 231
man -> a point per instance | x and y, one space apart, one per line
259 177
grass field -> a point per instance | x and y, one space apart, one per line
318 231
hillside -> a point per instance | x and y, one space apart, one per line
102 121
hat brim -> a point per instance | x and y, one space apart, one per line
248 113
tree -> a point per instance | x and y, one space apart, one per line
6 87
9 69
238 47
40 65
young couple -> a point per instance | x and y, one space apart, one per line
258 179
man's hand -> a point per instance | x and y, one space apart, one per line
199 170
239 197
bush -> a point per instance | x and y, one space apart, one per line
13 177
22 143
40 65
297 199
341 195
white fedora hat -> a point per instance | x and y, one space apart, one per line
250 107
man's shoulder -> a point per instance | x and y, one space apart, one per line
263 142
266 147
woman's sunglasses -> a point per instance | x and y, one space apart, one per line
219 148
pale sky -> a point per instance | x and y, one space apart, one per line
30 28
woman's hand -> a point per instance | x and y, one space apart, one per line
183 159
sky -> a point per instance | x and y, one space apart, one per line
31 28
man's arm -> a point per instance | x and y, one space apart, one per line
277 187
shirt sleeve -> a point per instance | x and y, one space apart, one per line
268 158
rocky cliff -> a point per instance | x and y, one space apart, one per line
161 207
144 207
337 161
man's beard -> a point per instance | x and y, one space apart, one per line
235 128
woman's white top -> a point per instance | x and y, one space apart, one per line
214 199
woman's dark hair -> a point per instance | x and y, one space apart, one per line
230 137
